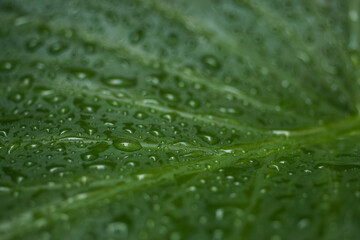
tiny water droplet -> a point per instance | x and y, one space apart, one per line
136 36
169 96
89 156
169 116
193 103
64 110
211 62
156 132
57 48
33 145
119 82
16 97
44 91
140 115
26 81
7 66
33 44
82 73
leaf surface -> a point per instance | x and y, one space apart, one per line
178 119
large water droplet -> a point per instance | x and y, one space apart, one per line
208 138
127 144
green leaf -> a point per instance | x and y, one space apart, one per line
155 119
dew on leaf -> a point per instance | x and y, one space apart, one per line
26 81
208 138
55 99
33 44
6 66
156 132
127 144
55 168
101 166
141 115
87 128
86 107
12 147
82 73
64 110
16 97
136 36
89 156
57 48
179 119
156 79
44 91
33 145
211 62
114 103
169 116
193 103
169 96
119 82
15 175
29 164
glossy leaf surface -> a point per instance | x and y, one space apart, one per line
179 119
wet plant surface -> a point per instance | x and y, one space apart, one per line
154 119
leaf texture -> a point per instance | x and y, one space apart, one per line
179 119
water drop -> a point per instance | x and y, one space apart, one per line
7 66
127 144
33 44
29 163
169 96
26 81
64 110
16 97
119 82
44 91
156 79
169 116
89 156
211 62
140 115
86 107
82 73
33 145
156 132
101 166
208 138
57 48
15 175
136 36
193 103
87 128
